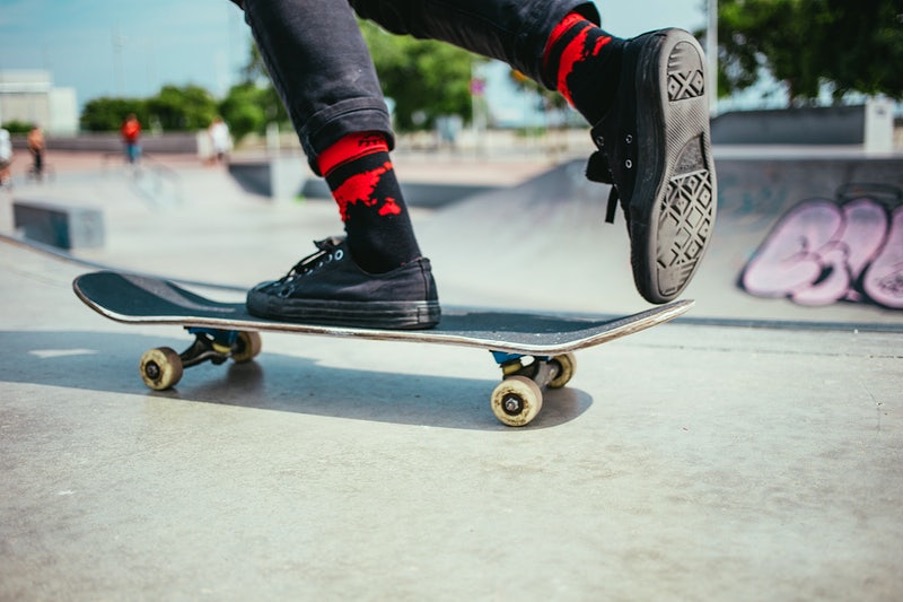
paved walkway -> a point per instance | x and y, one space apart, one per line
690 462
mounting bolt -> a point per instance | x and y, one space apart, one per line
512 405
152 370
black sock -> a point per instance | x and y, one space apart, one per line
380 235
585 63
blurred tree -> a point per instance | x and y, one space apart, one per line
254 73
16 126
106 114
253 103
863 43
425 78
847 46
243 110
188 108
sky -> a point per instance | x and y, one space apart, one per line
130 48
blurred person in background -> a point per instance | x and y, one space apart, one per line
131 133
37 147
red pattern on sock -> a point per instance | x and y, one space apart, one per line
360 189
570 20
371 205
575 50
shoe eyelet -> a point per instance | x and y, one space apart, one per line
600 141
339 255
629 164
629 139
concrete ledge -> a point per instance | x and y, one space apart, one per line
276 178
287 178
173 142
59 225
871 127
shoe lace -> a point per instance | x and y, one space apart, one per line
327 250
598 170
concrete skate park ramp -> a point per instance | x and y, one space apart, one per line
286 178
802 239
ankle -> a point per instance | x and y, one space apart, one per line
362 179
584 63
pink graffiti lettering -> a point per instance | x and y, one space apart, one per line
882 279
821 252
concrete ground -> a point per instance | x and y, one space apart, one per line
690 462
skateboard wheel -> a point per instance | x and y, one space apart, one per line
248 345
566 365
160 368
516 401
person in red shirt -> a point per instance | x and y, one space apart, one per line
131 132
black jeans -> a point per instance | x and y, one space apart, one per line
322 69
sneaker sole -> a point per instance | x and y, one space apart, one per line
396 315
673 208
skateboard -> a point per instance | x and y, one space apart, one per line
534 351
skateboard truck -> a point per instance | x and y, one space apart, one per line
517 400
162 368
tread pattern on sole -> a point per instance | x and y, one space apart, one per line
685 73
685 223
687 214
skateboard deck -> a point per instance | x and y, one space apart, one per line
535 351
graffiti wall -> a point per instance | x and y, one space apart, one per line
823 251
794 242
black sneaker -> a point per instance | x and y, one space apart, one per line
654 147
327 287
